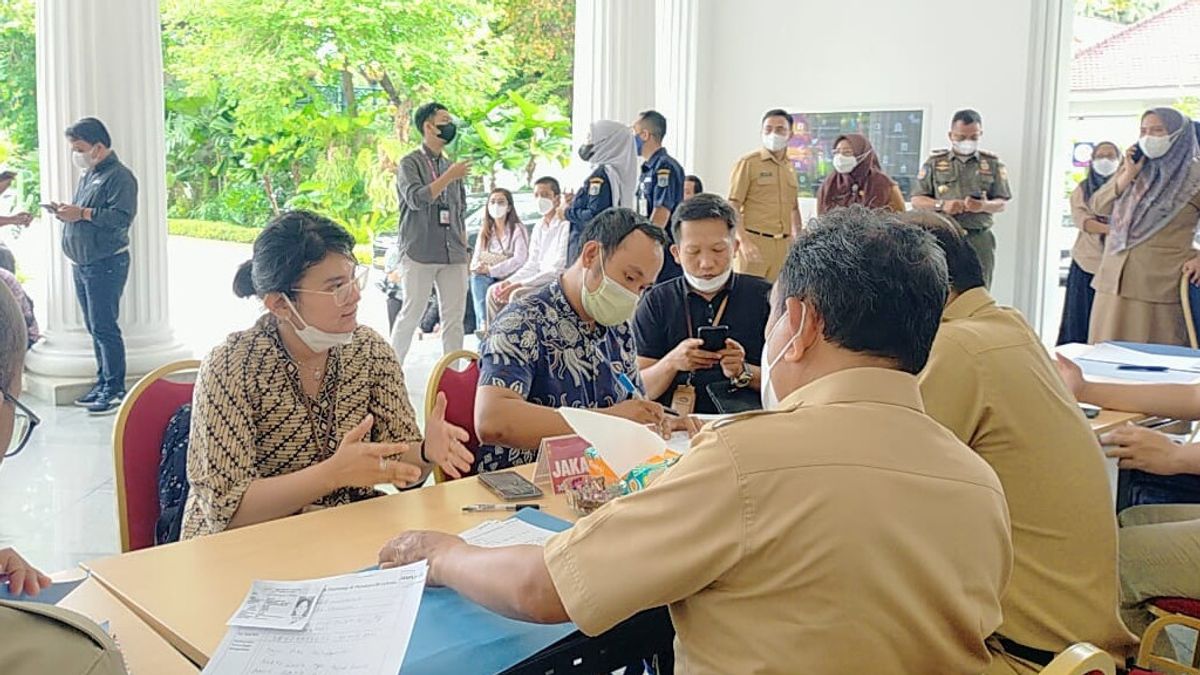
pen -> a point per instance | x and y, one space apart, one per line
479 508
633 391
1143 369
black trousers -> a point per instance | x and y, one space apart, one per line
99 286
1077 310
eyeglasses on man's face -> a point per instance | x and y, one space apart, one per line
24 422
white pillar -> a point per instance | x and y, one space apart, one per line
614 62
103 58
675 65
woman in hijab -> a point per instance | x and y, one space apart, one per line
1153 206
1089 244
858 178
613 181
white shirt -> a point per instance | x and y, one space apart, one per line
547 254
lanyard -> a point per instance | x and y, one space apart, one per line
687 313
429 162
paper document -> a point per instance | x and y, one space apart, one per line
511 532
358 624
281 605
51 595
620 443
1110 353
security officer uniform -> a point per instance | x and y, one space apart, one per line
595 196
946 175
661 185
778 537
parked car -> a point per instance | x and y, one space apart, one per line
526 205
525 202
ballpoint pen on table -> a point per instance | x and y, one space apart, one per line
480 508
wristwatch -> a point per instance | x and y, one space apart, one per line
743 380
939 205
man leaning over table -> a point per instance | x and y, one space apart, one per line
815 532
37 639
568 344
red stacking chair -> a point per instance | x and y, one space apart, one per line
1171 612
137 445
460 387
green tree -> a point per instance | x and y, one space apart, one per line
542 66
513 134
18 93
1120 11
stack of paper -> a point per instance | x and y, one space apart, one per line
1108 362
356 624
511 532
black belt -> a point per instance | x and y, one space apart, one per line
1031 654
769 236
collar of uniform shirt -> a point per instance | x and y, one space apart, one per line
968 304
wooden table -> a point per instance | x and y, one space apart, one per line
1111 419
145 651
187 591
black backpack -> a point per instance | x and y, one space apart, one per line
172 476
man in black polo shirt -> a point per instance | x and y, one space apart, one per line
96 240
673 365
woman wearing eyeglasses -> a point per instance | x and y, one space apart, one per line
306 408
38 638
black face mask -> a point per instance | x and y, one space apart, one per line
447 131
586 151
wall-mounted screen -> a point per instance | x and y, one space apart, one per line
896 135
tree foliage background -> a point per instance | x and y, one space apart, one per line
274 104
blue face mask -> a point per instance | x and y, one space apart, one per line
637 144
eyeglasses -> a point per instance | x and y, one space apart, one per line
344 293
24 422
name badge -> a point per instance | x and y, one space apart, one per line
684 399
643 206
444 216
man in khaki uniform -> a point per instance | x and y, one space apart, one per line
814 536
990 381
764 191
967 184
37 639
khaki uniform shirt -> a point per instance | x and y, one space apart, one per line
947 176
43 640
846 532
1089 248
1151 270
766 189
990 381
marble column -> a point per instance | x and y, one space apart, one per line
614 61
103 58
675 66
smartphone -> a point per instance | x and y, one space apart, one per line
1089 411
510 486
49 208
1137 154
7 175
714 337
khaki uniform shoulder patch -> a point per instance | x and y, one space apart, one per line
989 155
940 151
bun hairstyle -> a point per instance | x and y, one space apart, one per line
292 242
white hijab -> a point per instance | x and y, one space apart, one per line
612 148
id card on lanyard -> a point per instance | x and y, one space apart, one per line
443 209
683 400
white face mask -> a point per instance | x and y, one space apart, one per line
1155 146
769 400
497 211
81 160
966 147
545 205
1105 166
314 338
844 163
774 142
708 285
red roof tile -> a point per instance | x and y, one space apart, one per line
1162 50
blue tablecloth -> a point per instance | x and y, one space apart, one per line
455 635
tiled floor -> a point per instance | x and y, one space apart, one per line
57 498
